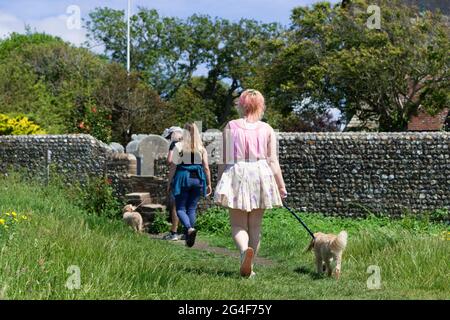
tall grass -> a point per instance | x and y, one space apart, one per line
116 263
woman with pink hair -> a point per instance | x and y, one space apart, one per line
250 178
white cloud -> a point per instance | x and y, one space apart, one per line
56 26
10 23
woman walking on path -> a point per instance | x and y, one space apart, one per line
173 135
250 178
190 178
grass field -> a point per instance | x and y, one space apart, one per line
114 263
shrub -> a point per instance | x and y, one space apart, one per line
19 125
96 197
96 121
160 224
214 220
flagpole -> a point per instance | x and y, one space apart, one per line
128 57
128 37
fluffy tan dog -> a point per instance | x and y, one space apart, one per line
133 218
328 247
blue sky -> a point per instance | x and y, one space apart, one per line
51 16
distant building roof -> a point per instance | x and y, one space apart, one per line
425 122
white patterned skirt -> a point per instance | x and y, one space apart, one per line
248 186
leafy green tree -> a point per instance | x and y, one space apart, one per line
133 107
167 51
48 80
332 59
71 90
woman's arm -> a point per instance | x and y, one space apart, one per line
172 165
272 159
207 172
172 169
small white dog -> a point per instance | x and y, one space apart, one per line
328 247
133 218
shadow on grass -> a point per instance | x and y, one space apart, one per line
215 273
306 271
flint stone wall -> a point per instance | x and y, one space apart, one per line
354 174
349 174
75 157
72 155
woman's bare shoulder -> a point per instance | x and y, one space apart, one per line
266 126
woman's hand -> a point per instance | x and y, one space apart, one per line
208 190
283 193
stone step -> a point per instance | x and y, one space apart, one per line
152 207
137 202
138 196
148 211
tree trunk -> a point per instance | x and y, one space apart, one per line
228 102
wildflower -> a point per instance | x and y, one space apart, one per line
8 214
14 214
2 221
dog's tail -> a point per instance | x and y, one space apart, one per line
340 242
311 245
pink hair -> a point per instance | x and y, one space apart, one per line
251 102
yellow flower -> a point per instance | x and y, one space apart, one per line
2 221
7 214
14 214
24 217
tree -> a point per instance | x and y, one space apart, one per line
332 59
167 51
133 106
66 89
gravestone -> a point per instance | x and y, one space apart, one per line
117 147
150 148
132 146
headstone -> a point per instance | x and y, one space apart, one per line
117 147
132 146
149 149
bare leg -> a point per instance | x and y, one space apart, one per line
239 229
254 228
174 218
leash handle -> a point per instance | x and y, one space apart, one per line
300 220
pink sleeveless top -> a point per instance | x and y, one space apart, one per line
247 141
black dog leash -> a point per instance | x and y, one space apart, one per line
298 218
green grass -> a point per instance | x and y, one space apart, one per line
115 263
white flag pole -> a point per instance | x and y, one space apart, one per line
128 37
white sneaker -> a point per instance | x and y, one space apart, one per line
171 237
